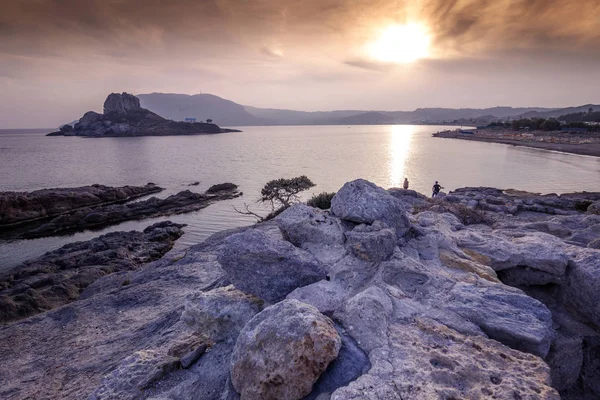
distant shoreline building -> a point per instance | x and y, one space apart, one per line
190 120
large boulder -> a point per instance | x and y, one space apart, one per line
364 202
372 243
303 224
121 103
267 267
282 351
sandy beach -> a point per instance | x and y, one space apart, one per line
584 144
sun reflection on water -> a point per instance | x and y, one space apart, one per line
400 138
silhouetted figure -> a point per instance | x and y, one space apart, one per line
405 185
436 189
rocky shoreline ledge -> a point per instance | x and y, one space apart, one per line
64 211
19 208
58 277
482 293
582 144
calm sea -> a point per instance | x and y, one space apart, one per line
329 155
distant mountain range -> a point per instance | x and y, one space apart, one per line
227 113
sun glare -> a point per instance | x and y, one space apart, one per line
401 44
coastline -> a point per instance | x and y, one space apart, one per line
585 149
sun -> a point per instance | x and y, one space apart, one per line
401 44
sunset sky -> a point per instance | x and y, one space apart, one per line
60 58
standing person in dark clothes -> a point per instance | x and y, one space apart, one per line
436 189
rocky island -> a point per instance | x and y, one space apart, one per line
480 294
123 116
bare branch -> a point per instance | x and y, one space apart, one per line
248 212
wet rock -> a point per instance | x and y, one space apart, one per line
221 187
372 243
220 313
364 202
106 215
25 207
253 258
282 352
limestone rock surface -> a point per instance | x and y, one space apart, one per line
303 224
266 267
60 276
373 243
220 313
363 202
282 352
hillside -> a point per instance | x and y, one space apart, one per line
560 111
200 106
226 112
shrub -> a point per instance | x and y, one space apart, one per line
321 200
280 194
465 215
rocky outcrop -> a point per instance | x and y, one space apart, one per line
121 103
282 351
58 277
430 314
123 116
25 207
253 258
105 215
361 201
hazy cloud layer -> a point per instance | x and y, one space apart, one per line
295 54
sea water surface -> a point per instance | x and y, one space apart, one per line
328 155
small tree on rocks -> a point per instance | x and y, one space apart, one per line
280 194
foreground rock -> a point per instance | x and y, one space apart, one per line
423 316
58 277
282 351
24 207
253 258
363 202
103 216
123 116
